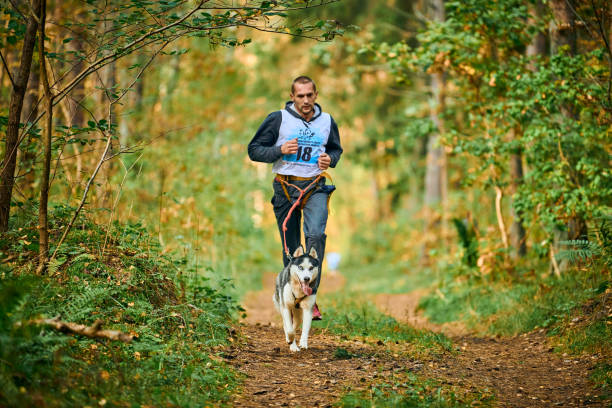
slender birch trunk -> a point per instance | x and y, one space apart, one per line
9 162
43 223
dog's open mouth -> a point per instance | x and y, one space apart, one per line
306 289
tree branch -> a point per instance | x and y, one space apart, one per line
94 66
109 139
103 157
18 11
500 217
8 71
94 331
101 62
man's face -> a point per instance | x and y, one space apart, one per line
304 97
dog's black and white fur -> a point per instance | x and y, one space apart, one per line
293 296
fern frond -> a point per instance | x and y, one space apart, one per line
82 305
83 257
54 265
579 250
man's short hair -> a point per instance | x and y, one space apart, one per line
303 79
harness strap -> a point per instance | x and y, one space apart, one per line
284 183
295 204
286 192
298 301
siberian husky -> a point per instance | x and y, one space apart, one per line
293 295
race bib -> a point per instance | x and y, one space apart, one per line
310 146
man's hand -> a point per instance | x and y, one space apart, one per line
290 147
324 161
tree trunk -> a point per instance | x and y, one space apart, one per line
563 33
43 224
138 91
73 111
109 81
9 162
517 231
28 114
562 27
434 189
435 173
109 84
537 46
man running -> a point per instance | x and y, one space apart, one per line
302 141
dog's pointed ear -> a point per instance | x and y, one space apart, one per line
299 251
313 253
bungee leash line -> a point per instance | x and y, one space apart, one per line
295 204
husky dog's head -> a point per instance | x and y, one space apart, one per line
304 268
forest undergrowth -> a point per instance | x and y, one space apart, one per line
119 277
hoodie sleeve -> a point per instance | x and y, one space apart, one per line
333 148
262 147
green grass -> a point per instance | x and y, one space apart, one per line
180 321
589 330
508 307
602 375
348 318
410 390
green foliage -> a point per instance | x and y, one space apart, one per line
504 103
510 307
602 374
468 241
13 29
179 322
596 250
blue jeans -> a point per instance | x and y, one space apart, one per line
315 215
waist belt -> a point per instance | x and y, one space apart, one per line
295 178
287 177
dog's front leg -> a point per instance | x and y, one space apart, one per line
288 326
307 306
297 319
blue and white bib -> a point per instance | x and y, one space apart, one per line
312 139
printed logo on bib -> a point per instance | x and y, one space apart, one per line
309 147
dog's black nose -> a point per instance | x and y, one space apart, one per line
306 279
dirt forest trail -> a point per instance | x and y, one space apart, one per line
521 371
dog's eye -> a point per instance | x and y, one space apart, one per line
301 267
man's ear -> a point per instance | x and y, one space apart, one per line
299 251
313 253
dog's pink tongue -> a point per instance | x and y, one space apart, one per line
306 289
